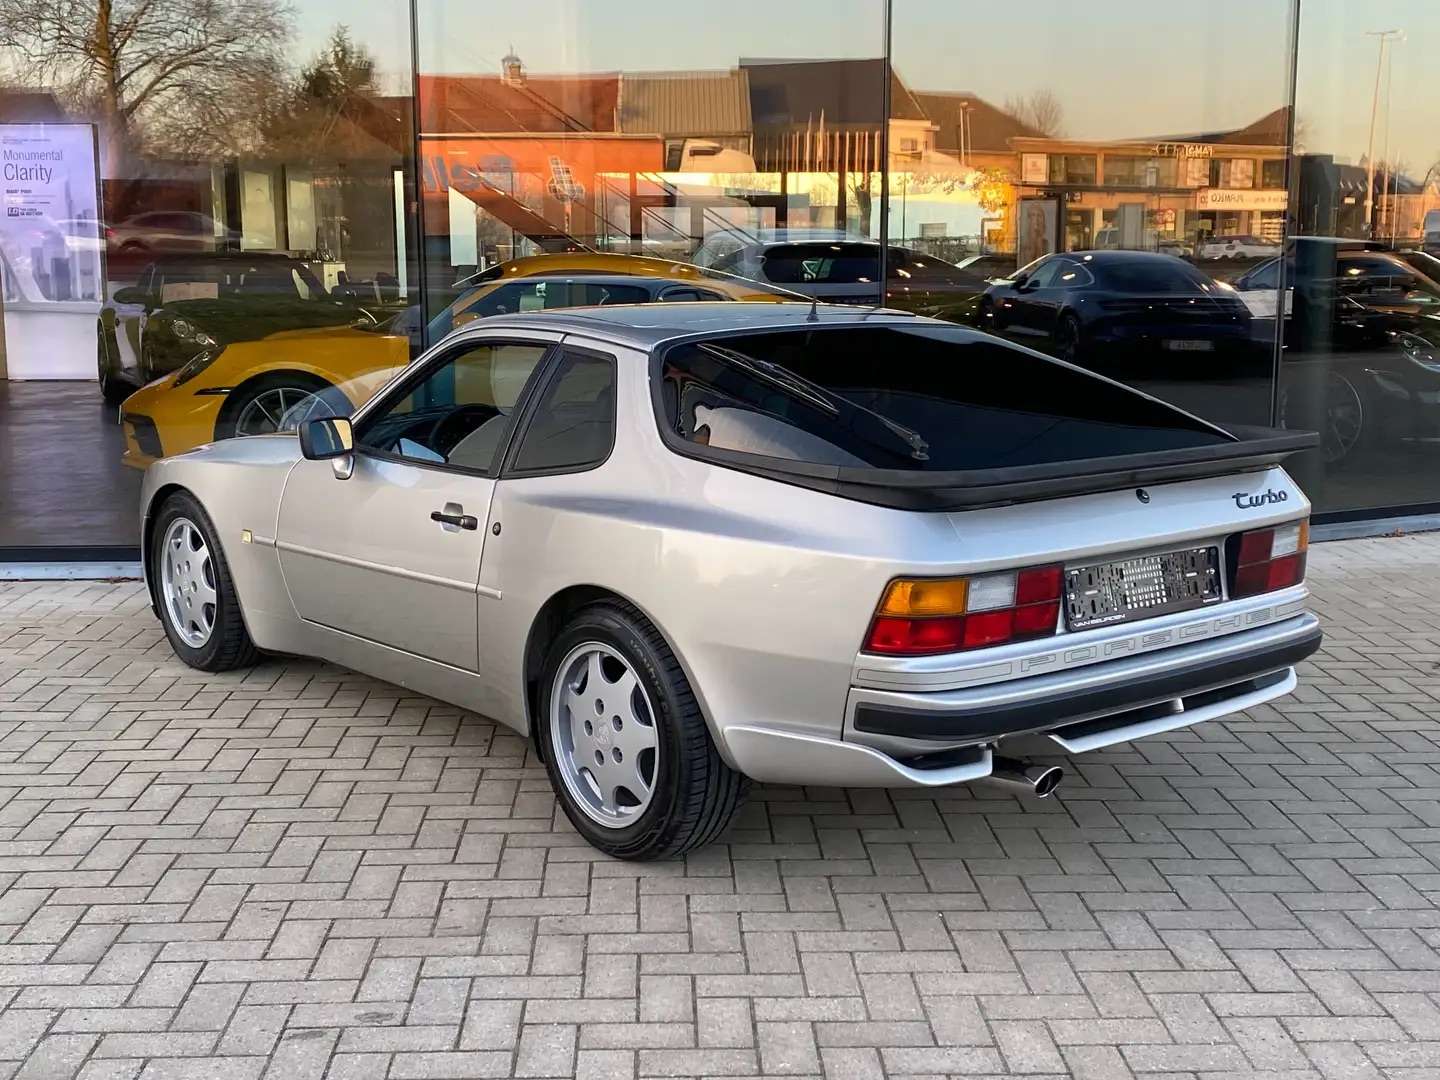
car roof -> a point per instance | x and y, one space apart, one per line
633 280
646 325
226 256
1105 257
1344 242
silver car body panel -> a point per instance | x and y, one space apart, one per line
763 590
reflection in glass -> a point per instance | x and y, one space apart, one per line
200 224
1083 132
588 150
1362 281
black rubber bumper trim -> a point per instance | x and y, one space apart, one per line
1066 707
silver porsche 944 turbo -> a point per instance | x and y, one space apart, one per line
685 546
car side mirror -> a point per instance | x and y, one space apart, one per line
328 437
131 294
1019 282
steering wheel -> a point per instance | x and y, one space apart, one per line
457 424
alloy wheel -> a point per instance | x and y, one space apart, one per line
1068 346
187 582
602 728
1344 418
269 411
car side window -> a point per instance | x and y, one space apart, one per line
1044 275
518 296
572 426
1267 277
595 294
460 411
1071 275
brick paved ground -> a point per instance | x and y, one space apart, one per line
298 872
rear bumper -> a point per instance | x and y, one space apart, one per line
934 739
909 723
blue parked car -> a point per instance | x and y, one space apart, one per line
1108 309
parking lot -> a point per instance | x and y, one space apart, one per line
300 872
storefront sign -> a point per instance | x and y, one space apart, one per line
1034 168
1241 199
50 230
1182 150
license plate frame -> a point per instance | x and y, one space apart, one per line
1137 587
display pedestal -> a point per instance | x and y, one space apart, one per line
54 340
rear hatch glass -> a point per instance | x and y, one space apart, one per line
823 264
917 399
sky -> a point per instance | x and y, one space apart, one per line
1121 68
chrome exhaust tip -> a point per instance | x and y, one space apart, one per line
1040 780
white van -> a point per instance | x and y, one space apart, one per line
1431 243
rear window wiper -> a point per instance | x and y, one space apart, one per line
816 395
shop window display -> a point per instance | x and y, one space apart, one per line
1049 155
196 226
273 230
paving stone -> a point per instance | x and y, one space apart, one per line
298 871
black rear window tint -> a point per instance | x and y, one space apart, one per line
1156 277
923 399
834 264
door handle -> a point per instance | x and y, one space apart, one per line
464 521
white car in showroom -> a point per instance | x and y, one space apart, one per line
1237 247
687 545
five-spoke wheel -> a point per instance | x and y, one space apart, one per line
603 729
191 585
187 582
629 753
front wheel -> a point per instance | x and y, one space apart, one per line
628 751
274 402
1067 339
112 389
199 607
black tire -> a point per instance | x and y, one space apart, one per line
236 402
696 795
989 316
1067 339
112 389
229 645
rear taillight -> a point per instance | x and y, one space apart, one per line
920 616
1270 559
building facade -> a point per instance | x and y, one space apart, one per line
275 209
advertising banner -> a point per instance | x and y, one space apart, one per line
50 234
1038 233
1253 199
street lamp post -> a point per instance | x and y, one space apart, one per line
1384 36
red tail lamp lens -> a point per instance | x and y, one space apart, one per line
926 616
1271 559
910 637
1037 620
988 628
1039 583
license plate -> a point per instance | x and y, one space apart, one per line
1139 588
1188 345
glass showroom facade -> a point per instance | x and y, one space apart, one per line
221 217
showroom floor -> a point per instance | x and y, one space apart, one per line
61 480
298 872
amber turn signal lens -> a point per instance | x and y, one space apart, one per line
924 597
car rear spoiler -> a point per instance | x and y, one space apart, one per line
968 489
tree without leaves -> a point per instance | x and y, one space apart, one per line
1041 111
331 111
186 73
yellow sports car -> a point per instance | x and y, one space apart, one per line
255 387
